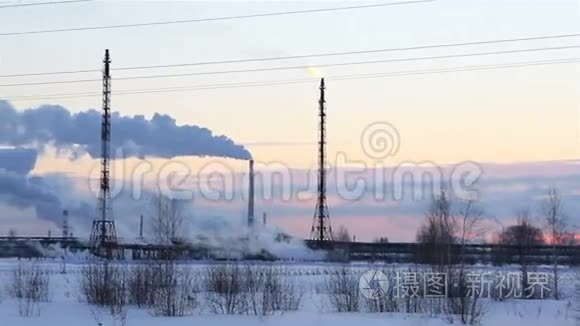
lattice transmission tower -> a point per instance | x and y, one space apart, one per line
321 229
103 238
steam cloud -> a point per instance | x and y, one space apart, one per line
18 160
133 136
29 132
20 190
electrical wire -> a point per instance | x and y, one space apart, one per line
303 56
307 80
198 20
349 63
298 67
42 3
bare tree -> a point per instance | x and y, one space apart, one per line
167 219
460 302
444 238
552 209
523 237
342 235
437 235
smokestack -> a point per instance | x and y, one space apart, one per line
141 227
251 194
65 230
264 219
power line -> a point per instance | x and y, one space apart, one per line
198 20
301 66
352 63
52 82
42 3
305 80
461 68
302 56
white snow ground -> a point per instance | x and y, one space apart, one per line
66 309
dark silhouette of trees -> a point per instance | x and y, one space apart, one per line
520 240
342 235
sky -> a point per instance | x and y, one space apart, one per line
504 120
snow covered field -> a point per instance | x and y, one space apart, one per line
66 306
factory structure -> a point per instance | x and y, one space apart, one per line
104 242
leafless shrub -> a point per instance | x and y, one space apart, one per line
381 304
387 302
141 287
268 292
577 296
224 289
175 291
284 294
257 290
105 285
253 284
461 302
343 290
165 287
30 286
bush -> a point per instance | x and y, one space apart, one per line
342 289
387 302
104 285
141 287
267 292
282 294
468 307
30 285
256 290
224 286
175 291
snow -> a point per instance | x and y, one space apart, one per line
66 307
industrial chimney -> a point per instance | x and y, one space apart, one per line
141 227
65 227
251 194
